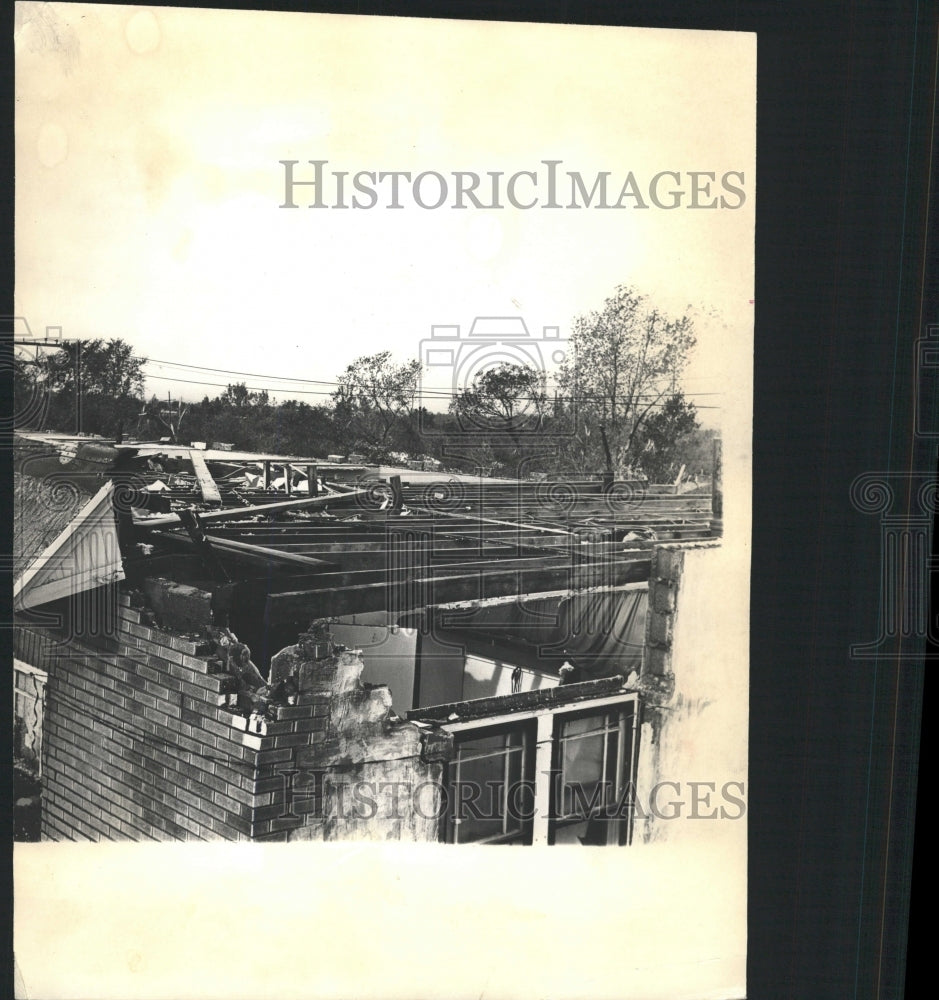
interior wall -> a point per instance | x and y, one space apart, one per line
388 651
441 672
484 678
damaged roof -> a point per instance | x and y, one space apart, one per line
303 538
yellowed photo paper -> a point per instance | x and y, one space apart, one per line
382 481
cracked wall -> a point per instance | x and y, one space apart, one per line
694 683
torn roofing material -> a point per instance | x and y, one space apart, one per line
42 509
83 556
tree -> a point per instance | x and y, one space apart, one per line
374 402
624 361
30 392
662 438
507 398
696 450
239 396
504 402
167 415
110 385
106 368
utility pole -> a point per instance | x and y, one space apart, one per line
717 488
78 387
609 476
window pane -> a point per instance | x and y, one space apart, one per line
478 798
589 760
485 801
482 744
591 724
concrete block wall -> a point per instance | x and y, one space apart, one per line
657 680
679 721
377 769
658 675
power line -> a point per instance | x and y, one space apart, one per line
315 392
228 371
313 381
425 392
225 385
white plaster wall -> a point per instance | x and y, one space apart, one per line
703 730
485 678
388 654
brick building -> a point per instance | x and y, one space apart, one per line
454 661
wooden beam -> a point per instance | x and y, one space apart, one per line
490 520
238 513
365 559
397 501
544 595
545 698
210 493
413 594
197 535
374 569
274 555
258 555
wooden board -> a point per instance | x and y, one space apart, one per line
210 493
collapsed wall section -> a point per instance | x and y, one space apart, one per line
154 734
379 775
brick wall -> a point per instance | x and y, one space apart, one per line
142 740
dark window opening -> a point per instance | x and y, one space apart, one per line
593 772
490 790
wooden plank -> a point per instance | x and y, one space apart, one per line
237 513
397 501
490 520
210 493
543 595
413 594
372 569
544 698
441 556
275 555
258 554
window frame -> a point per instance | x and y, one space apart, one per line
626 728
541 764
525 728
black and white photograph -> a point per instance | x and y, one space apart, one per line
382 467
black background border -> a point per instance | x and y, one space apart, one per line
846 280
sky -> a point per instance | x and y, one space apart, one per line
149 186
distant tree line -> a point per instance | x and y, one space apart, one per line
614 403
